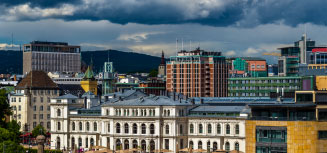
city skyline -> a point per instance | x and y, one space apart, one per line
246 28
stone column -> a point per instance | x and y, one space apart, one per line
40 143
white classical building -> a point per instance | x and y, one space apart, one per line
149 123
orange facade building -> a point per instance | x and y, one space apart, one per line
197 73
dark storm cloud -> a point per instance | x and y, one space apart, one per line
38 3
242 13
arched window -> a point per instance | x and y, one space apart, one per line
58 112
154 112
135 144
143 145
167 129
87 126
237 146
200 145
227 129
168 113
143 129
200 128
227 146
209 128
73 142
107 112
59 126
92 142
80 126
126 128
218 129
79 142
118 144
208 145
237 129
215 146
58 143
73 126
152 146
191 145
117 128
95 126
165 113
126 144
151 128
108 127
180 129
134 128
191 128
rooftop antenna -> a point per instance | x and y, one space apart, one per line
12 41
182 44
176 46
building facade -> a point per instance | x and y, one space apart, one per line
149 123
197 73
265 86
248 67
51 57
154 86
31 101
298 127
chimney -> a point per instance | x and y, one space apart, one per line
192 101
85 102
174 96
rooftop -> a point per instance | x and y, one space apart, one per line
37 80
149 101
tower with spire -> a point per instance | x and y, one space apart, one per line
162 66
89 83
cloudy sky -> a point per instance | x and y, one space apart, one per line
235 27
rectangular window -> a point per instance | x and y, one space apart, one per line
41 116
48 116
34 116
41 99
322 134
167 144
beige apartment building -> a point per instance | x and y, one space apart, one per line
31 101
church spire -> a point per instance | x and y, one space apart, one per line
163 61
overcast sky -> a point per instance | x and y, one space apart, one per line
235 27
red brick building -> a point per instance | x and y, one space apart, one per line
197 73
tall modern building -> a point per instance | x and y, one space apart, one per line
51 57
197 73
304 53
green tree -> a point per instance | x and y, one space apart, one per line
4 108
13 128
153 73
10 146
38 130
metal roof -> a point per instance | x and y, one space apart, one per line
149 101
67 96
218 109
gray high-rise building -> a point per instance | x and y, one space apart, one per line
51 57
